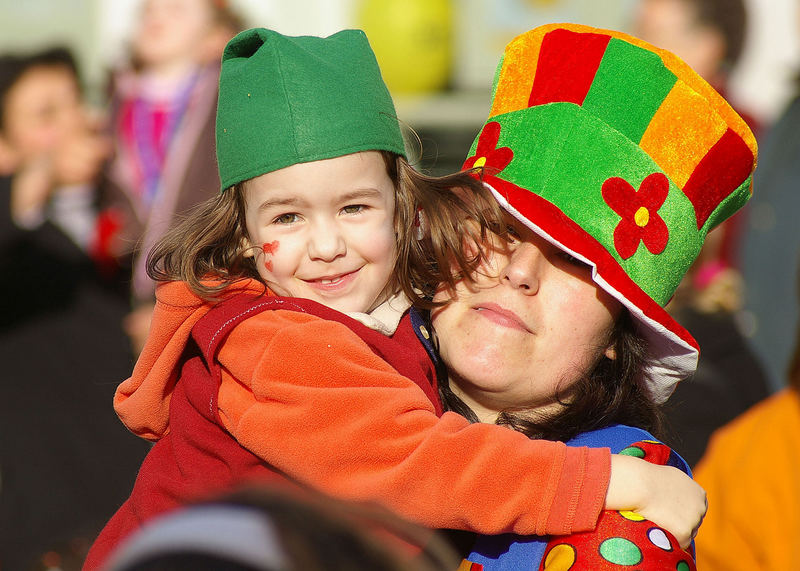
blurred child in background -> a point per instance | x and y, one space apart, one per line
162 123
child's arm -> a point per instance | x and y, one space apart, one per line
312 400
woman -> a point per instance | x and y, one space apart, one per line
562 333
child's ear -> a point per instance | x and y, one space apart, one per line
611 352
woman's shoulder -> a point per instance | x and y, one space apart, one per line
631 441
616 436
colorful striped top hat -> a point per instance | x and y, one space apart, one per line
285 100
619 153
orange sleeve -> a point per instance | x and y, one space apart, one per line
310 398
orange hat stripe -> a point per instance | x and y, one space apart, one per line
514 88
667 139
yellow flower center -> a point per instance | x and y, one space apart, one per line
479 162
642 217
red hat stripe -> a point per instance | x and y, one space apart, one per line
567 66
721 171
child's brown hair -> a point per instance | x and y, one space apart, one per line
206 250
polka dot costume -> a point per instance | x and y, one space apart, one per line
622 540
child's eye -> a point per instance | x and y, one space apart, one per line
288 218
354 208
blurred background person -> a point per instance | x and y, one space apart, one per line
772 243
65 462
751 473
709 35
163 104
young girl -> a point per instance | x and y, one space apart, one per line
612 167
327 384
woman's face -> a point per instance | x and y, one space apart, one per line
531 325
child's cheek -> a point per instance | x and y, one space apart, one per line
269 248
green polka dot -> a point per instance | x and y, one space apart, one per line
633 451
620 551
682 566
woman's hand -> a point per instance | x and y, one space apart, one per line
663 494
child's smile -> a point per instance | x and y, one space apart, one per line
326 230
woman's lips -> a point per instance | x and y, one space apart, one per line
501 316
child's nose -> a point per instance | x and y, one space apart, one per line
523 268
326 244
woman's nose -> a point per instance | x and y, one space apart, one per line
326 243
523 268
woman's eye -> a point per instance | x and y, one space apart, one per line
354 208
572 260
286 219
512 235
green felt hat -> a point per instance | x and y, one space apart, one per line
620 154
286 100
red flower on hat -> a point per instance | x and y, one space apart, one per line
639 212
487 155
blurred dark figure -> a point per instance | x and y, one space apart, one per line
163 106
275 529
709 35
66 462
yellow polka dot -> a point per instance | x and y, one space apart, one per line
479 162
560 558
632 516
424 332
642 217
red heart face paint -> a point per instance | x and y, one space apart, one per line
269 249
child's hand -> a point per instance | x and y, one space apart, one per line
663 494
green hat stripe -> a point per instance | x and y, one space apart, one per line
629 87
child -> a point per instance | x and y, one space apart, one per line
327 386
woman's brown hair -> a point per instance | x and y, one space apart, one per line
206 250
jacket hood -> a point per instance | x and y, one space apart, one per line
142 401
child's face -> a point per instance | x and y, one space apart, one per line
324 230
41 110
172 31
